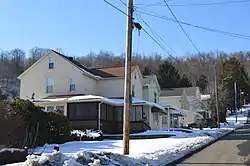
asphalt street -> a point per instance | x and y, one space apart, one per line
232 150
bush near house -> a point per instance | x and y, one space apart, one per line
27 125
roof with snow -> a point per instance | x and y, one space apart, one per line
89 98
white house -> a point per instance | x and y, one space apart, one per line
188 100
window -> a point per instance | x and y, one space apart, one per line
61 108
51 62
138 113
155 97
164 120
50 108
135 76
72 85
42 108
49 85
133 90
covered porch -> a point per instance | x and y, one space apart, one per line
96 112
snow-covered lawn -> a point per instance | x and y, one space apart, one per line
144 151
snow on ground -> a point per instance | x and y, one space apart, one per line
88 133
142 151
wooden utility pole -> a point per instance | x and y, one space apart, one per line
127 85
235 100
216 96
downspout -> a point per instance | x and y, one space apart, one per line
99 115
169 119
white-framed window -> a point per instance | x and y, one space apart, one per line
155 97
61 108
51 62
135 76
72 84
50 108
133 90
54 108
49 85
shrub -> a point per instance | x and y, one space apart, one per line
42 127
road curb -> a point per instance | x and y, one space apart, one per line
181 159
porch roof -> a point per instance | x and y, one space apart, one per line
91 98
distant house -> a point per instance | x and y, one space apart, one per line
90 98
151 88
188 100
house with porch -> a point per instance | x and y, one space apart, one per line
90 98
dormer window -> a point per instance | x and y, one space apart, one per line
51 62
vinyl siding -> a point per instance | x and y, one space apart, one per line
35 79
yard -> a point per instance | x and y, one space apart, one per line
142 151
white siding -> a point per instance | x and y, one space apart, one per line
138 84
172 100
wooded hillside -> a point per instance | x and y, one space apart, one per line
13 62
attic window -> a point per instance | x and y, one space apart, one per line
135 76
51 62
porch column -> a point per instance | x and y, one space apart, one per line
65 109
99 116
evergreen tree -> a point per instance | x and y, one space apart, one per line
169 77
233 71
147 71
184 82
202 83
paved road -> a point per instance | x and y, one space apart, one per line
233 150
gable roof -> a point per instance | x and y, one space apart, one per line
78 65
190 91
148 80
114 71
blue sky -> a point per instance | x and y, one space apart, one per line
82 26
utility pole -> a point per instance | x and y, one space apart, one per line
216 97
235 100
127 85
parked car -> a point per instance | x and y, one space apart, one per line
204 123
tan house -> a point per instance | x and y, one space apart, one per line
88 97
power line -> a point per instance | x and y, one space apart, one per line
115 7
195 4
123 2
156 42
237 35
156 35
181 27
214 3
153 4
